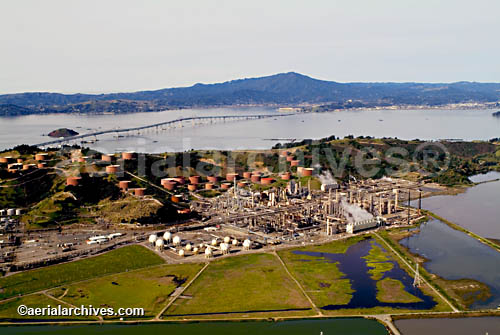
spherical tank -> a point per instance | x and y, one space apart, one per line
152 238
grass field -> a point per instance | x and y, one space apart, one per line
8 309
392 290
119 260
244 286
147 288
322 281
378 262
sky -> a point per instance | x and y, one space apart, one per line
96 46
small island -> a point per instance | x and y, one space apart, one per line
63 132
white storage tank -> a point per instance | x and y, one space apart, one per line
177 240
247 244
181 253
188 247
167 236
214 242
19 211
152 238
208 252
195 250
235 242
224 247
227 239
159 243
11 212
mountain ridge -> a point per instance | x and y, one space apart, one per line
290 88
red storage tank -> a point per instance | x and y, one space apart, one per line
242 184
73 181
194 179
169 185
213 179
247 175
231 176
192 187
128 155
289 158
225 186
294 162
124 184
284 153
176 198
41 165
40 157
106 158
5 159
112 168
19 160
81 159
139 192
306 172
286 176
209 186
179 180
255 178
266 181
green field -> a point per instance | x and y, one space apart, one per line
244 286
392 290
8 309
147 288
322 281
119 260
378 262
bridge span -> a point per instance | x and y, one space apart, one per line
166 123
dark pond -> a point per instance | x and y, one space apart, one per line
354 266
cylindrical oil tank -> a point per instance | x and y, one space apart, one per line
169 185
266 181
231 176
73 181
139 192
286 176
242 184
29 166
194 179
128 155
176 198
213 179
284 153
81 159
294 162
255 178
225 186
5 159
41 156
290 158
41 165
112 168
180 180
19 160
209 186
306 172
247 175
11 211
106 158
124 184
299 170
19 211
192 187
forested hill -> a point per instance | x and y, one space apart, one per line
283 89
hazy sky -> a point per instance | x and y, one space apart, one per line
116 45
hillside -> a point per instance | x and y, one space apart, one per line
285 89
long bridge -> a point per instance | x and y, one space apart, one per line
166 123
